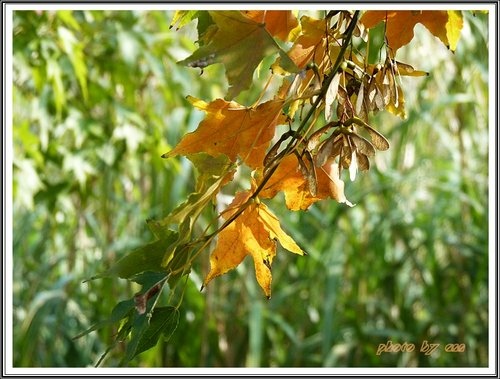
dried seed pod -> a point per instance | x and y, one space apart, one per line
363 162
378 140
407 70
313 140
312 180
273 151
308 171
345 156
337 145
362 145
344 108
326 149
353 167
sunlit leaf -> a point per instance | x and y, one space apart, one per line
67 17
74 50
289 179
454 28
182 18
253 233
278 23
309 46
400 25
233 130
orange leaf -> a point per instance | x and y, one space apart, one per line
289 179
310 45
400 24
253 233
234 130
277 23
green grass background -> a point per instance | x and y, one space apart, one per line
98 98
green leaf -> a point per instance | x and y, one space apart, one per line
235 37
164 321
145 258
186 214
74 50
138 328
182 18
158 229
148 278
210 168
66 16
119 312
179 266
54 75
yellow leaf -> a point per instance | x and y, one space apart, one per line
272 224
453 28
400 25
254 232
234 130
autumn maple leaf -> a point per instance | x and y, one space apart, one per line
278 23
446 25
289 179
236 35
310 46
254 232
234 130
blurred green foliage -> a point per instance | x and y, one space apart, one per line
98 98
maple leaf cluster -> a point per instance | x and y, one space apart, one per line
322 76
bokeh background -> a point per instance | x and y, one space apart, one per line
98 98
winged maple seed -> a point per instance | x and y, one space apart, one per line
313 171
